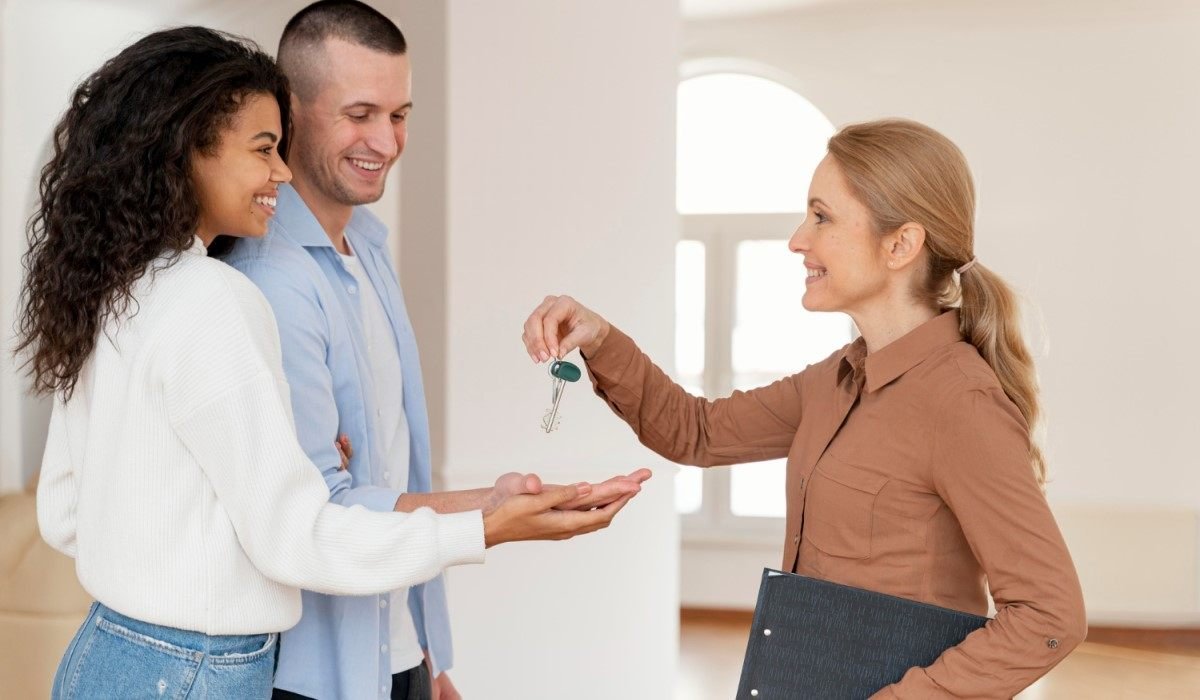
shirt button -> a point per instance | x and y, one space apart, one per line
801 482
383 648
796 539
383 602
352 289
387 475
1053 643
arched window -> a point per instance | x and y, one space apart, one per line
745 145
746 150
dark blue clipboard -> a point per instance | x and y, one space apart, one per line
816 639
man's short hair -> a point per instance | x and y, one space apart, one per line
349 20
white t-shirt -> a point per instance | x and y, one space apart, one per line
391 425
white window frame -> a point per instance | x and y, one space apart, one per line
713 525
714 522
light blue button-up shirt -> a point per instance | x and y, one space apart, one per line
338 650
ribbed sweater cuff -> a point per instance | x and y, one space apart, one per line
460 538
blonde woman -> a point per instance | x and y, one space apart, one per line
911 470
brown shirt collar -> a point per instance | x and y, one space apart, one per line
885 365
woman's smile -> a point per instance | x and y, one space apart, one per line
815 273
267 202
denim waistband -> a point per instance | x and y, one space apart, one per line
214 644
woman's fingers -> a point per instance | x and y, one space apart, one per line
559 325
345 451
550 498
577 337
534 331
538 517
543 330
609 490
604 493
640 475
584 522
561 312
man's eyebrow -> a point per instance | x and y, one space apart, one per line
372 105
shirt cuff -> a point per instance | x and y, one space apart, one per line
609 363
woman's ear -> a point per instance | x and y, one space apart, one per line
902 246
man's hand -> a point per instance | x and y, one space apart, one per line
509 485
443 689
561 324
441 686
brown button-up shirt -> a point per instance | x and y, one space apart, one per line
908 474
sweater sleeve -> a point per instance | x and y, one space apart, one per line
57 491
748 426
983 473
227 401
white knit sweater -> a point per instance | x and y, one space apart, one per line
174 478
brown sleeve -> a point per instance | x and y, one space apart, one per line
748 426
983 473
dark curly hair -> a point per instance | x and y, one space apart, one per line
118 191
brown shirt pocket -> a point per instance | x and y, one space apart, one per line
839 516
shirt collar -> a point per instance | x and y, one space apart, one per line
887 364
295 221
197 247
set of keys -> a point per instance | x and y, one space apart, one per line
561 372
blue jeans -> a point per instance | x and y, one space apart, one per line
114 656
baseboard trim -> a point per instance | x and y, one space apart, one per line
1182 639
725 616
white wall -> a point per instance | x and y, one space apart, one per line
541 161
1079 121
48 46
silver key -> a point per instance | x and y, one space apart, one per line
550 420
561 372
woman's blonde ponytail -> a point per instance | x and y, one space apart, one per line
990 320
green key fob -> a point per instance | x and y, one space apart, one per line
565 371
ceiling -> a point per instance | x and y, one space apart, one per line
690 9
706 9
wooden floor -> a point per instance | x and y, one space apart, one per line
710 659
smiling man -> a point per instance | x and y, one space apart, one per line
350 356
349 353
